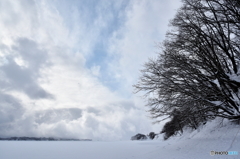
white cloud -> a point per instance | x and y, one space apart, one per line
146 24
47 87
96 70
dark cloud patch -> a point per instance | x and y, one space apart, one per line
10 112
32 53
93 110
55 115
24 78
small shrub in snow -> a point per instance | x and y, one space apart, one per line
139 137
152 135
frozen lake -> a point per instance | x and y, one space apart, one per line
75 149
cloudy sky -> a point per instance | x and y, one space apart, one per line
67 66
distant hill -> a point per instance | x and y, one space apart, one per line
41 139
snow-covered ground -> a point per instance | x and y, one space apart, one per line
191 145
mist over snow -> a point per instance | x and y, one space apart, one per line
67 67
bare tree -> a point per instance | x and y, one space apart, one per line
197 71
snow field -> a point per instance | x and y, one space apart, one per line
191 145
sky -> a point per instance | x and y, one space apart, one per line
67 66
